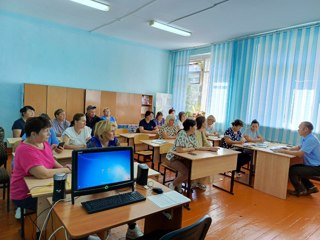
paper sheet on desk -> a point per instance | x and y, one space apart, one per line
168 199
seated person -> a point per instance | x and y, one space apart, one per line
233 136
210 131
169 130
33 157
159 120
309 150
91 118
202 142
182 117
185 142
104 136
52 140
172 111
59 123
107 116
18 125
77 135
252 134
146 125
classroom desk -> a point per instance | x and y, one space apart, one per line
271 169
43 188
130 137
207 164
79 224
156 157
215 140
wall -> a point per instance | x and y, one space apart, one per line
39 52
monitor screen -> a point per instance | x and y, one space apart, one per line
101 169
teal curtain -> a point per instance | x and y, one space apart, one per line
180 69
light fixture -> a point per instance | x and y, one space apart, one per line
94 4
169 28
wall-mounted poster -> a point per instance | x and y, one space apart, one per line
163 103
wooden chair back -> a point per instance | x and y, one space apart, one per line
164 148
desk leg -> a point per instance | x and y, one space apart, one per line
231 184
252 164
189 185
159 221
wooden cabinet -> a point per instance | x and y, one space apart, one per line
128 108
93 97
75 102
36 96
56 98
109 100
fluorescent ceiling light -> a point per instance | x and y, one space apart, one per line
169 28
94 4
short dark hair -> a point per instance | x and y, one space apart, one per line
180 115
188 123
308 125
25 109
255 121
171 110
58 111
148 113
35 124
159 114
200 120
237 122
44 115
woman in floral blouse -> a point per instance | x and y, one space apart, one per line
233 136
169 130
185 142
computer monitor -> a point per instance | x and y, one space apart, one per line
101 169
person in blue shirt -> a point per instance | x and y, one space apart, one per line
252 134
107 116
52 140
309 150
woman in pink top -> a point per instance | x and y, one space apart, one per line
33 157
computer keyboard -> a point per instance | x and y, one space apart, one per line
115 201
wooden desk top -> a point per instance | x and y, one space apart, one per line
214 138
13 140
267 149
131 135
79 223
44 187
66 153
152 142
206 154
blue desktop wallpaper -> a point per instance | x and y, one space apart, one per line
99 168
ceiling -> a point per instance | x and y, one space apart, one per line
128 19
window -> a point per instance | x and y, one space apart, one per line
197 86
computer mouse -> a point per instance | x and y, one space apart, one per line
157 190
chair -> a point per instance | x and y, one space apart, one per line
121 130
138 144
196 231
117 134
163 149
4 175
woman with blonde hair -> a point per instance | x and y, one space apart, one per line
104 135
169 130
